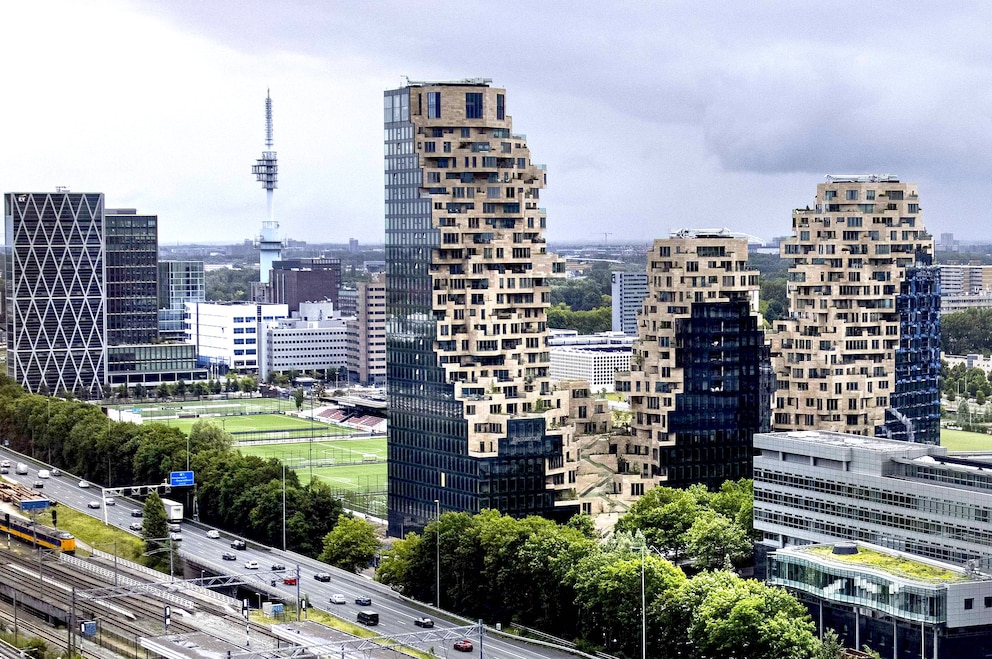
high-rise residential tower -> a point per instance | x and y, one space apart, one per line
700 380
860 350
474 421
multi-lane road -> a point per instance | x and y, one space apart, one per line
396 614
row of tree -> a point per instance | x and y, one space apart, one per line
242 494
963 381
967 332
561 579
231 384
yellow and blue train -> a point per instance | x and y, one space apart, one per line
45 536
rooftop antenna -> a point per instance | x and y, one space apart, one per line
266 171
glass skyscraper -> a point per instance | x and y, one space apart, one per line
474 421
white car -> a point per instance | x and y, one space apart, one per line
109 501
338 598
84 484
251 565
213 533
93 505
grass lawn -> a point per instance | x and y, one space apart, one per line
247 423
959 440
95 533
353 477
225 406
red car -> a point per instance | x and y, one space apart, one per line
289 581
463 645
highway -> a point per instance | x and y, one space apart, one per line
396 615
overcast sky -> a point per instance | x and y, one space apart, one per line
649 116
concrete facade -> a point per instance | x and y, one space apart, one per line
627 296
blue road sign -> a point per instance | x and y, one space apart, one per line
87 627
181 478
34 504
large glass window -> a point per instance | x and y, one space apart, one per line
500 106
433 105
473 105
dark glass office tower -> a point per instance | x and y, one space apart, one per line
474 421
132 276
914 413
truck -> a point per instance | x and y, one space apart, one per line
173 510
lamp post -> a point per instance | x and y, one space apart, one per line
644 627
284 506
437 548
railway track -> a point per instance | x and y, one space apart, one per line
124 614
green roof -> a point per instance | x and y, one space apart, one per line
899 566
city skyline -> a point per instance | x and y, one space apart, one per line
720 118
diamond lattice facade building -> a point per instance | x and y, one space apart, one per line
56 302
860 351
474 420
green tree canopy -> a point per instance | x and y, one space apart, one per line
351 545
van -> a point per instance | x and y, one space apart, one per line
21 468
368 618
44 473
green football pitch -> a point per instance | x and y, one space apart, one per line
959 440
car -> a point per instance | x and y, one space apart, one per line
289 581
463 645
213 533
278 567
110 501
363 600
93 504
176 537
338 598
38 484
174 528
56 472
84 484
251 565
138 513
322 576
423 622
237 544
229 556
4 470
5 463
135 526
44 473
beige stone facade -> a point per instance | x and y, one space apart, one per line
834 357
694 384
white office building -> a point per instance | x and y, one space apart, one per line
226 334
315 341
595 358
627 295
813 487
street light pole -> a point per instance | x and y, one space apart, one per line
284 506
437 547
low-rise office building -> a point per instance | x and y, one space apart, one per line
595 358
316 341
226 333
897 604
821 487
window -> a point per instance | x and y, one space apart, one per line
429 147
473 105
434 105
500 106
969 603
829 194
988 602
869 194
852 195
466 132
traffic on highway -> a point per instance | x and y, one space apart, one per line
291 575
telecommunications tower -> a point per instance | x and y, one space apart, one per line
266 170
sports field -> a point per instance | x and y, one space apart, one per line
959 440
259 422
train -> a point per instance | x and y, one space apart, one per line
45 536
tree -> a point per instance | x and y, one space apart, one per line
298 398
663 515
163 390
714 540
154 528
139 391
351 545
